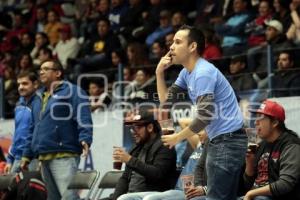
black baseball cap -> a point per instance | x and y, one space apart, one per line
141 117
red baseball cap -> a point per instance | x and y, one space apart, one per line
271 108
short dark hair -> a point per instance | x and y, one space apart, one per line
31 75
57 66
104 19
238 58
98 82
195 35
290 53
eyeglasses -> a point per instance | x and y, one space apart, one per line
45 69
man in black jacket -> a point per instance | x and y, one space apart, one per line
273 172
150 166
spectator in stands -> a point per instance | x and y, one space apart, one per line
144 86
178 19
98 49
193 170
103 8
287 79
169 39
207 10
98 97
232 31
45 53
90 14
150 166
27 42
41 40
273 172
27 85
52 27
41 20
164 27
10 90
275 38
293 33
240 80
117 11
67 47
149 20
282 13
61 132
256 28
136 55
24 63
158 49
12 37
212 49
118 56
208 89
132 18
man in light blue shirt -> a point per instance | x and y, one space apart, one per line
217 111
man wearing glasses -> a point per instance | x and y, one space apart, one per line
150 166
62 130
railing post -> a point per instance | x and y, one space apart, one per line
1 98
120 79
270 69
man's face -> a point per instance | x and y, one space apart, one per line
140 133
239 6
264 8
40 14
26 87
26 40
284 61
180 47
263 126
236 67
48 74
169 40
156 49
43 56
102 28
94 90
271 33
141 77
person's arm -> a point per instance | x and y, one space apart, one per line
289 173
164 158
162 90
205 113
294 15
82 115
200 178
262 191
27 154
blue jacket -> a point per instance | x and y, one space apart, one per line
23 120
63 125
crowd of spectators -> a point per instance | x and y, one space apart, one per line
96 36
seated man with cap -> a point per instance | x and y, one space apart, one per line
150 166
273 171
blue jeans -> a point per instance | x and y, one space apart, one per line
225 157
57 174
167 195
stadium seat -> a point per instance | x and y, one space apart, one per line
84 180
6 180
109 181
